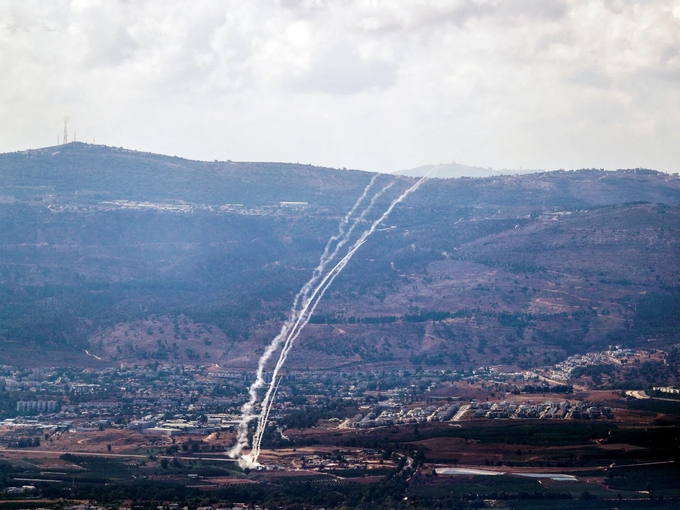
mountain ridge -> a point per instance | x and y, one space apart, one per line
101 245
457 170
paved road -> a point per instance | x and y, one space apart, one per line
29 452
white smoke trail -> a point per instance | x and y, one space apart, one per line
290 332
307 312
247 409
341 229
268 400
246 461
276 389
305 303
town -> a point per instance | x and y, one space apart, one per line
169 400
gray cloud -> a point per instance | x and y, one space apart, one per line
393 84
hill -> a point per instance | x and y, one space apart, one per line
134 256
88 173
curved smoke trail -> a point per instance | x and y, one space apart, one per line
299 323
247 409
304 317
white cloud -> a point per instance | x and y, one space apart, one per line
365 83
342 70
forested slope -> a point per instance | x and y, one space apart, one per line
103 248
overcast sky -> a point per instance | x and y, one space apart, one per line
376 85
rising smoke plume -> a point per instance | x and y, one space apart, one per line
247 409
303 317
299 318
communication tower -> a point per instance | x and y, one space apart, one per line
65 130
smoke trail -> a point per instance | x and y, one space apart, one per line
287 332
341 229
266 402
247 409
318 293
276 389
247 460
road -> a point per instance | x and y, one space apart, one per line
29 452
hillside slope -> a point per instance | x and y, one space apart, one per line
136 256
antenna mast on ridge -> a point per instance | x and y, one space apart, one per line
65 130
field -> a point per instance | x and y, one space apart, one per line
631 461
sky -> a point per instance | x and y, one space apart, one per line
369 84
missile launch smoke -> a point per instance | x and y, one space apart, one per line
300 317
309 309
247 409
304 315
